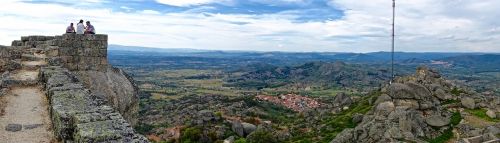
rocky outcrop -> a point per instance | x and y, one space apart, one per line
80 116
86 57
114 85
468 102
341 100
412 110
242 129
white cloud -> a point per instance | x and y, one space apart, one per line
422 25
126 8
184 3
150 12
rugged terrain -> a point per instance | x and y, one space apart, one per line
425 107
204 96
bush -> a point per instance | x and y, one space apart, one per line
449 101
218 114
455 118
192 134
144 128
261 137
443 138
240 140
456 91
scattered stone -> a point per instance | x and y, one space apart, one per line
248 128
385 108
468 102
491 114
345 108
442 95
357 118
382 98
342 99
31 126
229 140
237 127
437 121
13 127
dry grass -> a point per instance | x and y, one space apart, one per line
477 122
159 96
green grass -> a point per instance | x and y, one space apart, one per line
328 92
481 113
456 91
447 135
455 118
450 101
240 140
343 120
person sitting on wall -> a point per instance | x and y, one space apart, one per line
90 28
70 29
79 27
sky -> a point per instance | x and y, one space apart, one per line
267 25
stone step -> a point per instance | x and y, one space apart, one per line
33 65
32 57
19 78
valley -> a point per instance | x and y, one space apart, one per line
288 97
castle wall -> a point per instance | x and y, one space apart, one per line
86 57
90 101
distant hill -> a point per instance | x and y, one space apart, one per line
322 74
112 47
486 62
300 56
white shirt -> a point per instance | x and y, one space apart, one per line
80 28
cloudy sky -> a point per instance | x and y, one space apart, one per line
267 25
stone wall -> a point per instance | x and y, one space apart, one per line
78 115
86 57
73 51
9 58
90 101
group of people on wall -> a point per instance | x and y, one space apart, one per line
80 28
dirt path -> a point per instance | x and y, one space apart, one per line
26 118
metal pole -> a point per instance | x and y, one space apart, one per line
392 51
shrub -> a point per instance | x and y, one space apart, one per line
450 101
144 128
443 138
240 140
456 91
218 114
261 137
192 134
455 118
